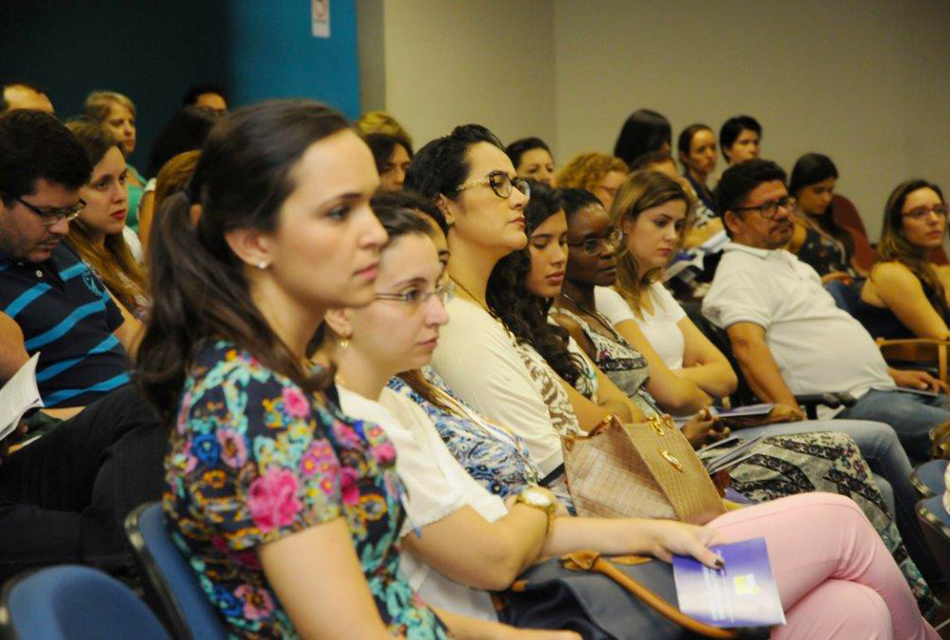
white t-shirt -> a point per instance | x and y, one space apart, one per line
661 327
436 486
478 361
817 346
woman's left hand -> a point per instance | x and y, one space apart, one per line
668 537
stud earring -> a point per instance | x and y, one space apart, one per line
262 265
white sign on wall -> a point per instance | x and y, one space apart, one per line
320 18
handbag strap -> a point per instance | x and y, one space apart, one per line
592 561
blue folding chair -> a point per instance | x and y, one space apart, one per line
72 602
927 478
171 586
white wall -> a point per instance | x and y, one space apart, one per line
449 63
864 81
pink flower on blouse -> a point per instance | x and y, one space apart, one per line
348 488
233 447
295 402
318 458
272 499
384 453
257 602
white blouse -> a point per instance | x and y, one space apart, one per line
661 327
436 486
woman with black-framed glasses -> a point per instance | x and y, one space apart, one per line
905 294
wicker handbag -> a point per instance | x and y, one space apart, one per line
640 470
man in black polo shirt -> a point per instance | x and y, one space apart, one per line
63 497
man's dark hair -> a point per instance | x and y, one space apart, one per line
191 96
4 105
733 127
738 181
36 145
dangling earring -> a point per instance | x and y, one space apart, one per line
344 343
262 265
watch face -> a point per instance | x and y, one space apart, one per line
536 498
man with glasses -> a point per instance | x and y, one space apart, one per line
63 498
787 334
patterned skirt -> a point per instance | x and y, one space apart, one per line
830 462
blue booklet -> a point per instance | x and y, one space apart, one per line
742 594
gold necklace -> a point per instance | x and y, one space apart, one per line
491 313
596 315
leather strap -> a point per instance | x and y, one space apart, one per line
592 561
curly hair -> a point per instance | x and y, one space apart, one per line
522 312
895 247
586 170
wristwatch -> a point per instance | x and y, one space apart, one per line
535 498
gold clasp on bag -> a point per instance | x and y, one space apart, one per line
657 427
669 457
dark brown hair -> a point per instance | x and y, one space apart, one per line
198 284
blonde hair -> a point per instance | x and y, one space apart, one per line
382 122
99 104
644 190
586 170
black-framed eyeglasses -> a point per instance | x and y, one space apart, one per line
596 246
501 183
49 217
769 210
918 213
417 299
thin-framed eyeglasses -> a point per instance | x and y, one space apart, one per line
769 210
596 246
416 299
49 217
501 183
918 213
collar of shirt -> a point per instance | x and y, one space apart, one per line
764 254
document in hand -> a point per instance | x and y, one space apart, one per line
19 395
742 594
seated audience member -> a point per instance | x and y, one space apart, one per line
96 235
599 173
208 96
186 131
24 95
285 233
484 228
173 178
392 155
117 113
648 216
644 131
697 153
58 304
905 295
739 139
786 332
532 159
382 122
817 240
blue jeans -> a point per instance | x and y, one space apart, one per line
911 415
883 452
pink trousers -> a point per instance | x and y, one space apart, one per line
835 577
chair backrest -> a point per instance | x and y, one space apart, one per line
72 602
846 215
935 523
171 586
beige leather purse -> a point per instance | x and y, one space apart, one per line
641 470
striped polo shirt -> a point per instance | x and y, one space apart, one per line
67 315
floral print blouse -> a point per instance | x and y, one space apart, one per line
253 459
